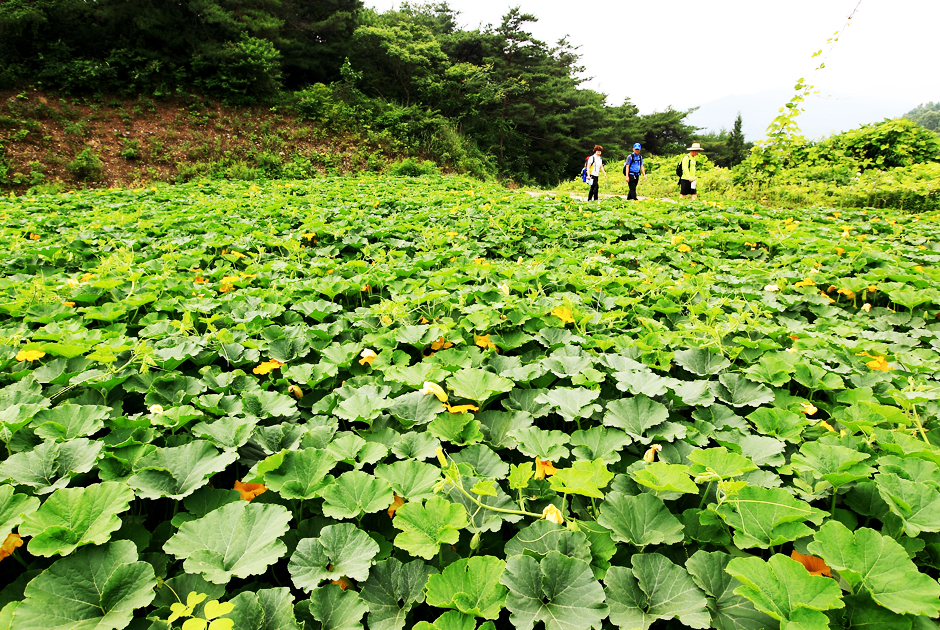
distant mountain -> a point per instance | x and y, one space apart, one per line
824 114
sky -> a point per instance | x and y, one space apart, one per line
685 53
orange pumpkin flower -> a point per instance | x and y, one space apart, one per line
250 490
10 544
814 564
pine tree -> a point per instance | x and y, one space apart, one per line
736 143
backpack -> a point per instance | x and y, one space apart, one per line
628 160
584 171
679 168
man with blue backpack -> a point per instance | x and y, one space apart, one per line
633 168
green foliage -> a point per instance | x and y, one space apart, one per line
86 165
614 414
926 115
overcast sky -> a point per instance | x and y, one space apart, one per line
685 53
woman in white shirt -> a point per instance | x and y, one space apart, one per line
595 166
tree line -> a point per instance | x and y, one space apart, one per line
498 93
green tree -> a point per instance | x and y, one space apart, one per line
737 146
926 115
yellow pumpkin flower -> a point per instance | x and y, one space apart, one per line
544 469
367 357
684 248
840 251
462 408
437 390
563 313
553 514
827 426
30 355
69 304
266 366
250 490
806 282
866 307
808 408
295 391
880 364
650 455
483 341
441 343
155 409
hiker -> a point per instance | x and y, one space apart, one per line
687 179
595 166
633 168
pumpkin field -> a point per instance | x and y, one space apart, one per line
433 403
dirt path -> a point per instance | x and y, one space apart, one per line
582 197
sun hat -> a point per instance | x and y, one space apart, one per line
695 147
637 146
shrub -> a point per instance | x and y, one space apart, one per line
86 165
413 168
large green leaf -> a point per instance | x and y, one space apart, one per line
355 492
470 585
584 478
780 423
639 520
571 403
766 517
51 464
177 472
302 474
341 550
392 590
712 464
330 607
96 588
728 610
536 442
701 361
543 536
635 416
784 589
478 385
67 422
737 391
230 432
236 540
426 527
73 517
484 462
266 609
836 464
665 478
599 443
880 565
13 508
457 428
655 589
917 504
411 480
415 408
453 620
559 591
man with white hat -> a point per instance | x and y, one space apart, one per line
687 178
